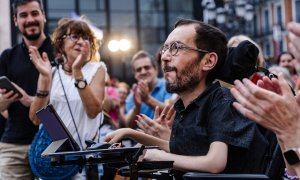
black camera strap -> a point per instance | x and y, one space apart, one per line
65 94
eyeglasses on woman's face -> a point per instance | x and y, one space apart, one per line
76 37
174 47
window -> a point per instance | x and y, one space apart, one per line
279 15
297 11
266 23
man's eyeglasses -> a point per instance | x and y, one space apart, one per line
76 37
175 46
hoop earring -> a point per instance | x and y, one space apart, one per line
61 60
65 60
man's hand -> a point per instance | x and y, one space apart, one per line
6 98
136 96
144 91
278 110
154 155
294 37
26 100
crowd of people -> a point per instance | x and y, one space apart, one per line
194 120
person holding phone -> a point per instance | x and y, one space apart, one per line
16 65
8 86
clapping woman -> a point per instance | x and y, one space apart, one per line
75 88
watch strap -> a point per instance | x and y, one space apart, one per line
292 156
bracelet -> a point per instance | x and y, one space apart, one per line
42 94
286 175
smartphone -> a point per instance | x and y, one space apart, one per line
6 84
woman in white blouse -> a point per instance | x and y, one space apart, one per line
79 81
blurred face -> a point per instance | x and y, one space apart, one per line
183 70
30 20
144 70
75 44
287 61
123 92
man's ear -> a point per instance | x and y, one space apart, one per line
45 20
210 60
15 21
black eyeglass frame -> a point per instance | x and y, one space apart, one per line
71 37
178 45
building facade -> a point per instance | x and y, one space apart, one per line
271 18
146 23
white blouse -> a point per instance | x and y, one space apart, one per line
88 128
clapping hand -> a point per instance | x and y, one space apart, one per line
273 106
136 96
160 126
42 64
82 58
294 37
144 90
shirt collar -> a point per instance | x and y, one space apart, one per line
45 42
179 106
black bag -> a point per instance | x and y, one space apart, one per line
240 62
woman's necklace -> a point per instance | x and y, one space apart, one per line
67 71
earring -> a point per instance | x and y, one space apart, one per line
65 60
61 59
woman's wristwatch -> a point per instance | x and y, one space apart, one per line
80 83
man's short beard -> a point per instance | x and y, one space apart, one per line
186 80
32 37
183 85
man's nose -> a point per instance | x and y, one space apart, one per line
30 18
166 56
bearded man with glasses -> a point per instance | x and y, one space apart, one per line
208 134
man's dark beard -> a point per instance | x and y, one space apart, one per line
32 37
185 80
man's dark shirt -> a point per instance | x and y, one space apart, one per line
15 64
211 117
2 125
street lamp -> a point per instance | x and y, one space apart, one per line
119 45
122 46
232 17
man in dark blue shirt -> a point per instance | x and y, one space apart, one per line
16 65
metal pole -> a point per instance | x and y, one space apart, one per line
138 23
